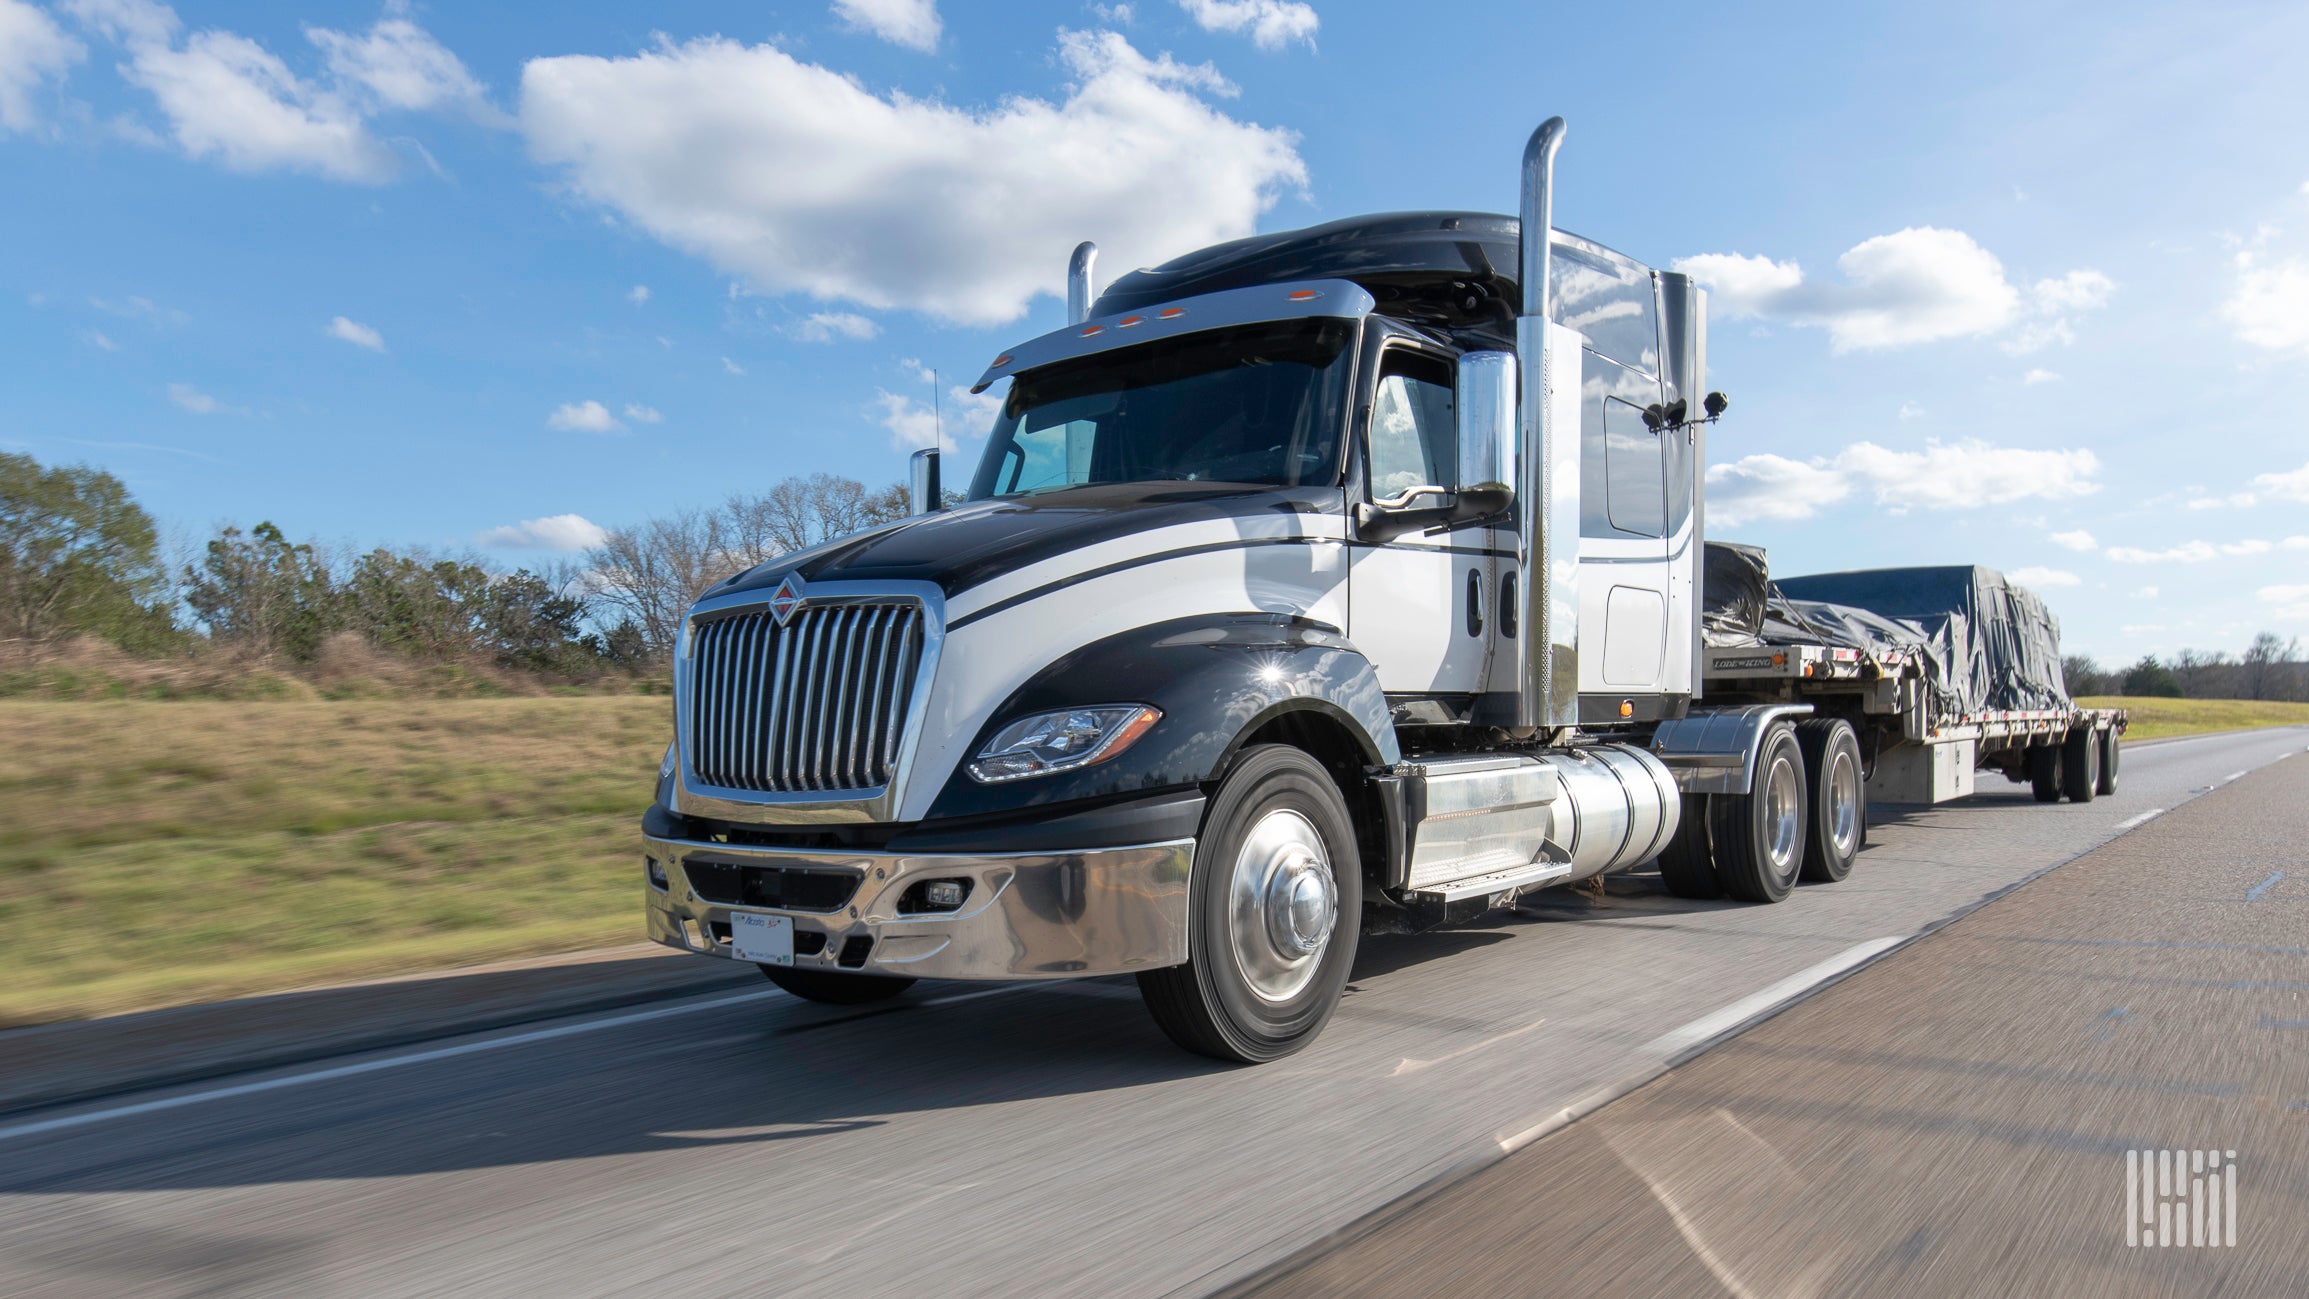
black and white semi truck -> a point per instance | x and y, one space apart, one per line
1322 581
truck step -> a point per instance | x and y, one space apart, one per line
1478 886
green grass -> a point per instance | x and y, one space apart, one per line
2151 719
155 853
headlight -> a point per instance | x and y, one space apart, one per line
665 771
1061 741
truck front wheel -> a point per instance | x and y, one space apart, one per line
1274 906
1759 836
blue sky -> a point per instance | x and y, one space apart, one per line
2025 285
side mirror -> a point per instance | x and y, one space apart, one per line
1485 401
925 489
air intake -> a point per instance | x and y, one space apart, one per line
818 704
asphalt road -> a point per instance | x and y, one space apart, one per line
1040 1140
1955 1119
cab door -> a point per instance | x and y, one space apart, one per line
1418 605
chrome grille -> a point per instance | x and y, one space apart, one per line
817 704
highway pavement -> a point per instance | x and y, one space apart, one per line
980 1140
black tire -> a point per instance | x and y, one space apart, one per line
2080 765
1687 866
2044 772
1759 836
1836 823
2111 747
1241 996
835 989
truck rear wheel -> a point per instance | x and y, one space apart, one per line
1274 907
2111 746
2080 765
1838 823
2044 772
1759 836
1687 866
836 989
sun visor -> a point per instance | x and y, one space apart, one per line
1258 304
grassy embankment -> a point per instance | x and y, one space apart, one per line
2152 719
156 853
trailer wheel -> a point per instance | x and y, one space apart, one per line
836 989
2080 765
2110 747
1838 824
1686 865
1275 903
1759 836
2044 772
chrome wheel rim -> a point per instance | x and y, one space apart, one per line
1282 905
1844 804
1783 815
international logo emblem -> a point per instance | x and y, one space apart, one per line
787 599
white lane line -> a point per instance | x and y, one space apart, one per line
1414 1066
2254 893
1786 990
422 1057
2234 775
2135 822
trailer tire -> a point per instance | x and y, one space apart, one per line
829 988
2044 772
1265 964
1687 866
2111 746
1838 820
1759 836
2080 765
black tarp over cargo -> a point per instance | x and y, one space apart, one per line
1994 646
1732 593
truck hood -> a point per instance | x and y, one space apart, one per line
982 540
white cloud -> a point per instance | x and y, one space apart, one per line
911 23
1771 488
1120 15
2189 552
2235 501
827 326
583 417
401 66
2080 540
2293 484
914 424
732 366
356 333
2292 600
142 309
641 414
2145 593
227 97
2269 305
797 179
2294 543
1916 285
553 532
1910 410
97 338
2044 577
200 403
33 50
1943 476
2034 377
1272 24
638 294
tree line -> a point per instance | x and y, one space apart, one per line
80 558
2270 668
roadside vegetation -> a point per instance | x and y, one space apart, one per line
2153 718
156 853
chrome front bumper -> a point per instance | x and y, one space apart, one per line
1055 915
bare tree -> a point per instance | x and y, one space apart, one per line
652 573
800 513
2266 670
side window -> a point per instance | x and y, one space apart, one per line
1633 488
1414 431
1610 300
1055 455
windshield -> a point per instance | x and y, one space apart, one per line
1262 404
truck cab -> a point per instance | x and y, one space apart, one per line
1325 579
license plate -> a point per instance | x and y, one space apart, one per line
764 940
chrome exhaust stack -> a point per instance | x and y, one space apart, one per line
1078 286
1547 687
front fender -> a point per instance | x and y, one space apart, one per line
1216 680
